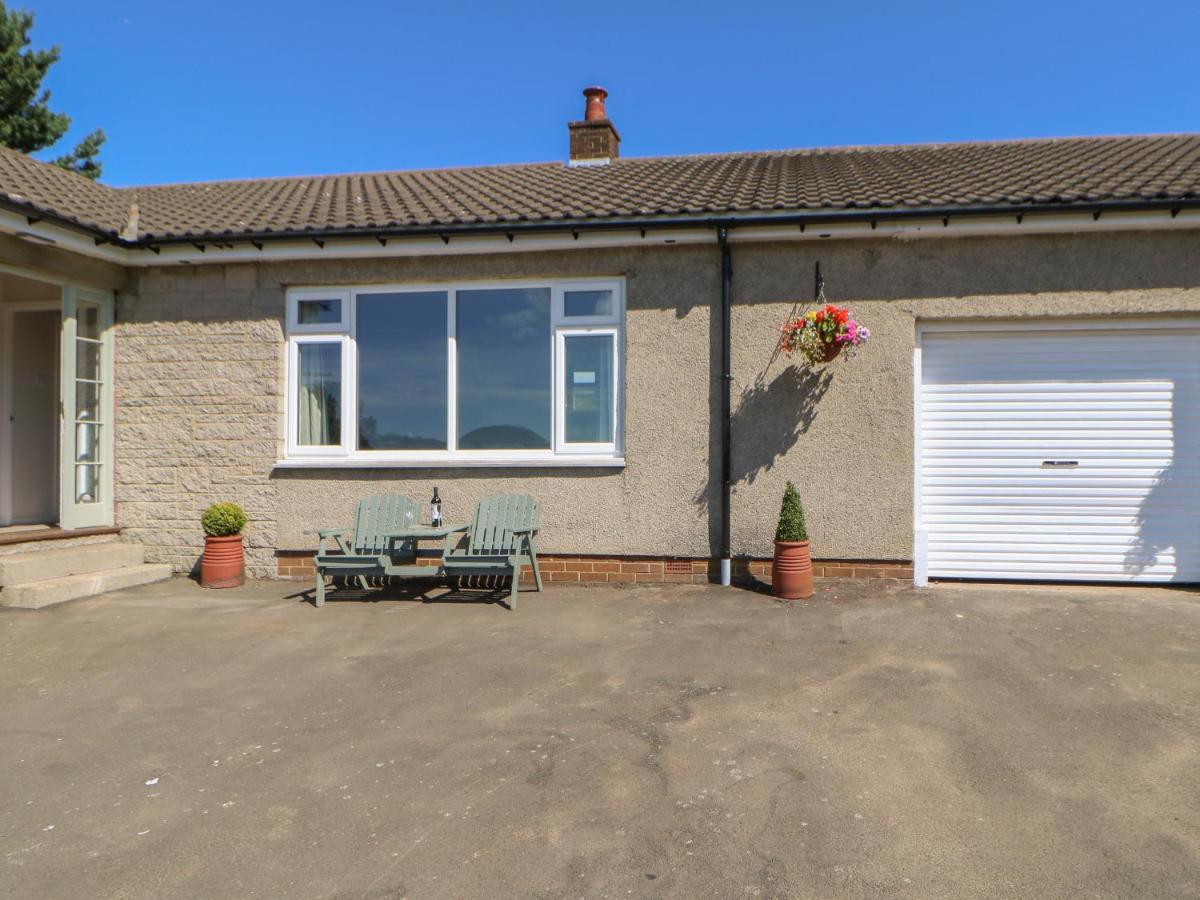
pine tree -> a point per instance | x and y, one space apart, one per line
83 159
791 517
26 121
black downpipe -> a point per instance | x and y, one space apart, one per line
726 411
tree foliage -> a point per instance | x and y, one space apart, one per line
84 159
27 123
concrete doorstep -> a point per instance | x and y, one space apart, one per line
50 575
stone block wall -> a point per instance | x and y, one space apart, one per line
199 408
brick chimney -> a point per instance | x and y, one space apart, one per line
594 141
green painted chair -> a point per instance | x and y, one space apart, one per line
364 551
499 541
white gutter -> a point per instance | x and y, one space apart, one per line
44 233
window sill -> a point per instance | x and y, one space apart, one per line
527 462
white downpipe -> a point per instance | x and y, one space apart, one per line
921 558
726 573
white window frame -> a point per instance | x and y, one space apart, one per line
344 325
560 389
559 302
346 453
348 398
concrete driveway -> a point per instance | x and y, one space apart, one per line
603 742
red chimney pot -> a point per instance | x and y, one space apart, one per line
595 103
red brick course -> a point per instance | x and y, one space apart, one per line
627 569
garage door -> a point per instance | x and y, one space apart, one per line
1059 453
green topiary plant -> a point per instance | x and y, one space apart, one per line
791 517
223 520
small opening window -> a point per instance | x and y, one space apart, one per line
588 304
320 312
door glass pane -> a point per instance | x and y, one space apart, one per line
87 483
588 303
588 418
504 380
320 312
88 322
402 380
87 360
320 395
87 401
87 443
88 351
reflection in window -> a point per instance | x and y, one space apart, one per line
87 484
504 369
320 312
587 303
402 376
320 389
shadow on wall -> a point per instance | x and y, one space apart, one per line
768 419
1165 522
1158 527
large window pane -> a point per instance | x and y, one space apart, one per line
589 389
504 369
402 377
320 395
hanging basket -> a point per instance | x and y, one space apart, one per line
831 351
820 335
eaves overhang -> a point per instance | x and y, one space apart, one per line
488 237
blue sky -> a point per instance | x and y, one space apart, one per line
200 91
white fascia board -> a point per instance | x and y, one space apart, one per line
458 245
968 226
44 234
47 234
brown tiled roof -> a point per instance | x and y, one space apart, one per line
41 188
1052 173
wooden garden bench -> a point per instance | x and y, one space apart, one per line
499 542
367 550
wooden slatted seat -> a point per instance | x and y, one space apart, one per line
499 541
366 551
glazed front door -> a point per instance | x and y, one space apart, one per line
86 480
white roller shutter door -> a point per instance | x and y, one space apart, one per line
1069 454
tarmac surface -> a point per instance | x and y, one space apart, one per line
609 741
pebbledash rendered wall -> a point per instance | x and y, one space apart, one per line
200 382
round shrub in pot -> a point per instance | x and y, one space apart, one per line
224 563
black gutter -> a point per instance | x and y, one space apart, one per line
731 220
726 403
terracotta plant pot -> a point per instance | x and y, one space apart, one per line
792 571
224 563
